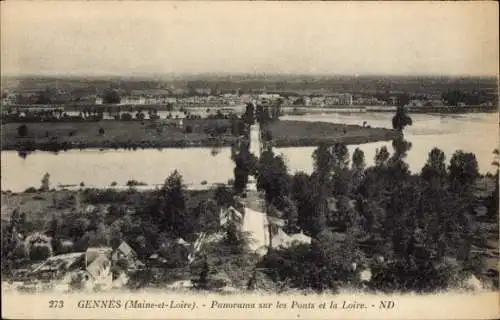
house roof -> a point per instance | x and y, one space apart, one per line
280 240
93 252
231 214
276 221
99 264
300 237
57 262
126 248
182 242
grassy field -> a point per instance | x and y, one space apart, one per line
116 134
57 136
302 133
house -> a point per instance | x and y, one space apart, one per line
283 240
255 223
275 224
230 215
89 270
97 274
126 253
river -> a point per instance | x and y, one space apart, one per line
477 132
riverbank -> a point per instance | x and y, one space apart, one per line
306 110
290 133
111 134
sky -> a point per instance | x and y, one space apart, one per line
328 38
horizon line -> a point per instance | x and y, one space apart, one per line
247 74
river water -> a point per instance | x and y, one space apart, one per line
476 133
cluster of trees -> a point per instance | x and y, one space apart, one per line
411 221
88 114
262 114
111 96
147 221
473 98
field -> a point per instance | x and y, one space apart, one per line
116 134
166 134
302 133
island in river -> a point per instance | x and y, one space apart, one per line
114 134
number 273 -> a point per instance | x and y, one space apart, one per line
56 303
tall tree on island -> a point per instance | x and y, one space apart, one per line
401 119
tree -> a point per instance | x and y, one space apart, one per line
291 215
492 202
249 115
44 97
381 156
272 177
246 164
398 167
277 109
323 161
495 162
318 202
240 178
463 169
203 279
358 167
111 96
126 116
22 130
401 119
435 168
140 115
263 115
358 160
45 186
301 195
223 196
453 97
172 206
166 211
39 252
206 215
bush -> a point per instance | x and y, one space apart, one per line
133 183
39 252
30 190
22 130
126 116
408 274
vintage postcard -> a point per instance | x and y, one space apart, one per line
249 160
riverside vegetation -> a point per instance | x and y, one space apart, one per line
416 232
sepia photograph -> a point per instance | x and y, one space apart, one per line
203 157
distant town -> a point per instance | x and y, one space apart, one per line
357 94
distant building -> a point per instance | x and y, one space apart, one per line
125 252
345 99
9 99
88 270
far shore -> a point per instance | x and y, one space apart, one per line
112 134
